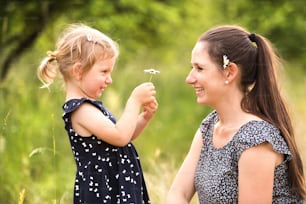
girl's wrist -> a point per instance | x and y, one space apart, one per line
133 102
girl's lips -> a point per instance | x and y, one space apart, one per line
102 89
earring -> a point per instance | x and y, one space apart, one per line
226 82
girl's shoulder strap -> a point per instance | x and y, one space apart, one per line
73 104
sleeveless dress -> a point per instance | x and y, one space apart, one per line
216 177
105 173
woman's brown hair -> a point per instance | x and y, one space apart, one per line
258 63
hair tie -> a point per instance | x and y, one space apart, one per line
252 37
52 55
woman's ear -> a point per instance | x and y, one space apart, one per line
231 72
77 71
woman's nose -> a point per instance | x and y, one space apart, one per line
190 79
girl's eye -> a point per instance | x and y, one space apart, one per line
104 71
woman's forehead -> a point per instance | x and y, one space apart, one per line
200 47
200 50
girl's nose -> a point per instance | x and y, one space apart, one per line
109 80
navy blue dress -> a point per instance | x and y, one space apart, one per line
105 173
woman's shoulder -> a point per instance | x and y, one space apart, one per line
211 117
208 123
256 132
259 130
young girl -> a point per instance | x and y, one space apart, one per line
108 167
245 150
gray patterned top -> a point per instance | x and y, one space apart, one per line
216 177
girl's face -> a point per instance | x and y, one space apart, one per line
94 81
206 77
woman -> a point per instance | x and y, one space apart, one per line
245 150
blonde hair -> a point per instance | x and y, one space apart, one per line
77 43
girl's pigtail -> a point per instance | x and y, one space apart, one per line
47 71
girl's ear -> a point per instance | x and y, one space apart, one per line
77 71
231 72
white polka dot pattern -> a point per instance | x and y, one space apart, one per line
105 173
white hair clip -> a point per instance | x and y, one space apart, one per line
89 38
226 61
151 72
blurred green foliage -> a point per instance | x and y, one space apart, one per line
34 149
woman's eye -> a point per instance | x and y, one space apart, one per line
199 68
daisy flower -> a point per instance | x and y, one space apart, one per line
151 72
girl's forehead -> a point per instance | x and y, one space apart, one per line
106 61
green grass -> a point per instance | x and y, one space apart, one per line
37 165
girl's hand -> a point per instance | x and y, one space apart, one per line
144 93
143 119
149 109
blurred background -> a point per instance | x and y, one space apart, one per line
36 161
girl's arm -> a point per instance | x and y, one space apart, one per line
182 189
256 174
145 117
88 120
